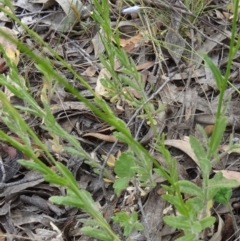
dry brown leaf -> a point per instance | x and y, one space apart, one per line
56 146
130 44
108 180
26 183
98 44
174 42
102 137
90 71
111 161
132 92
3 16
3 66
26 4
68 105
228 228
110 128
63 22
45 3
209 129
218 235
100 89
71 8
145 65
133 40
153 209
184 146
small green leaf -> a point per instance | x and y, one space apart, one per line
96 233
195 204
56 179
123 166
190 188
120 217
176 202
217 135
69 201
73 151
36 166
178 222
169 189
223 195
162 173
120 184
201 155
196 227
143 173
218 181
88 222
128 222
207 222
66 173
216 72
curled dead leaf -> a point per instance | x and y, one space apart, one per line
218 235
209 129
111 161
184 146
102 137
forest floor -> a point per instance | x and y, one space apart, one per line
166 41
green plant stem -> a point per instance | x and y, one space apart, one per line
232 52
205 193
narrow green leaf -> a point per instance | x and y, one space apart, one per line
69 201
176 202
56 180
96 233
196 227
35 166
217 135
207 222
169 189
177 222
122 137
216 72
201 155
190 188
228 183
66 173
89 222
195 204
162 173
90 205
219 181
